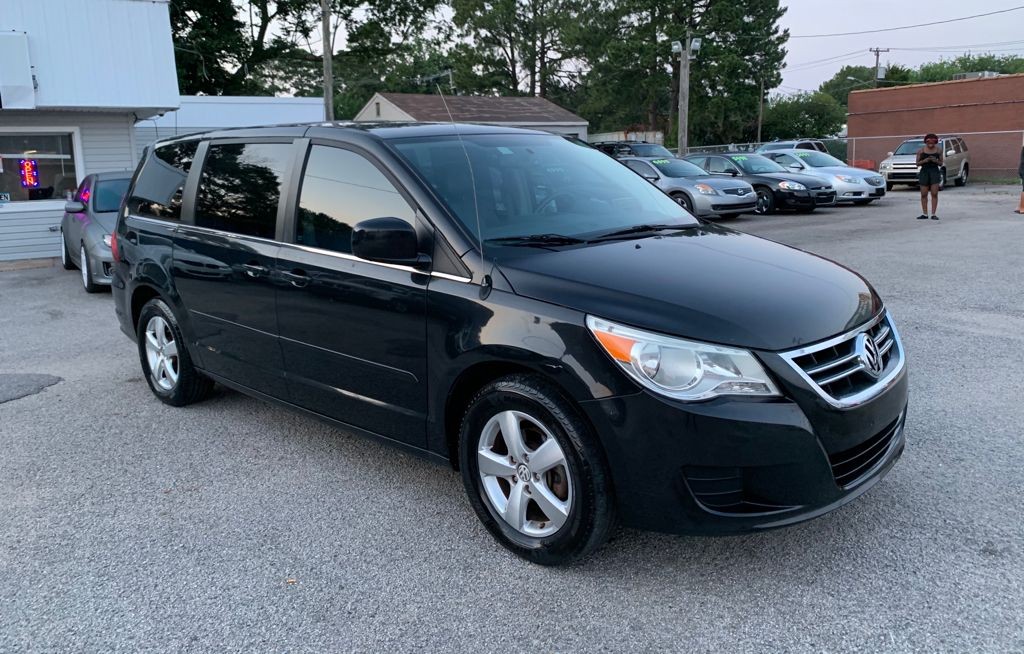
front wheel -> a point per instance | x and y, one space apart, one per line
165 360
86 267
765 202
534 473
683 201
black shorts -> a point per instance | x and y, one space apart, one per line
929 177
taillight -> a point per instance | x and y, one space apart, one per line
114 252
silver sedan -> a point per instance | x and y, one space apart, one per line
88 222
694 188
855 185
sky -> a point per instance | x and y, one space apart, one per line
805 71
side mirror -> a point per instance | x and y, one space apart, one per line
72 206
950 153
387 240
734 172
795 166
651 178
889 153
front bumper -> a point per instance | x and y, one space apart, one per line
846 192
794 199
735 465
101 262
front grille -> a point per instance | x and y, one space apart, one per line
736 191
850 466
874 181
721 489
733 207
839 368
821 188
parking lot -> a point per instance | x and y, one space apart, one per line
233 525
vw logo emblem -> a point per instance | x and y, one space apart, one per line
523 472
868 355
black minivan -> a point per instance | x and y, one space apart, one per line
526 309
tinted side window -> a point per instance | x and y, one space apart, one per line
642 168
963 145
804 145
157 191
719 165
240 187
339 189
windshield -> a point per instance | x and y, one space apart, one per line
816 159
911 147
678 168
755 164
529 184
651 150
108 194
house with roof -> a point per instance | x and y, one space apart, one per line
528 112
73 82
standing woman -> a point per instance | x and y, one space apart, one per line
929 159
1020 171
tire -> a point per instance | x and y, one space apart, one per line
65 258
863 203
765 201
942 179
683 201
567 510
86 268
889 186
177 381
962 179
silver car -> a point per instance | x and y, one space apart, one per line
85 229
693 187
855 185
900 167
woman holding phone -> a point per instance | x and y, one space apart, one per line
929 177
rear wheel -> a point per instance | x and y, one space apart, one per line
765 201
534 473
86 267
65 258
962 179
165 359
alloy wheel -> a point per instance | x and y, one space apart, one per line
83 264
524 474
161 353
763 202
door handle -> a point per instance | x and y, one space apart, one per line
297 278
253 270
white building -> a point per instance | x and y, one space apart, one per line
517 111
202 113
74 78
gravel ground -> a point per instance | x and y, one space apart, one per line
126 525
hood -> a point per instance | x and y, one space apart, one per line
859 173
717 183
106 220
708 283
807 180
901 158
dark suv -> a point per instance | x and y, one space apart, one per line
530 311
633 149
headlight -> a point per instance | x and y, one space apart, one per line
705 189
848 179
792 186
681 369
885 166
106 240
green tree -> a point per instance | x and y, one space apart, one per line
945 69
804 115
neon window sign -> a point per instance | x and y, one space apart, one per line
28 169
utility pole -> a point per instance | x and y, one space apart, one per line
686 52
325 38
877 51
760 108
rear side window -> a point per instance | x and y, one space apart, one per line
108 194
240 187
642 168
158 189
339 189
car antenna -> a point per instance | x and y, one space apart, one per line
485 283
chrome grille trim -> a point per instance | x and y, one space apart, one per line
888 341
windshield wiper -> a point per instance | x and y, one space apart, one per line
637 230
536 240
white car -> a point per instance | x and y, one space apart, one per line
855 185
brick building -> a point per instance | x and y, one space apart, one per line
987 112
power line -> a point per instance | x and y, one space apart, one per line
907 27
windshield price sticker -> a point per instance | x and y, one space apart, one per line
739 158
659 161
803 154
